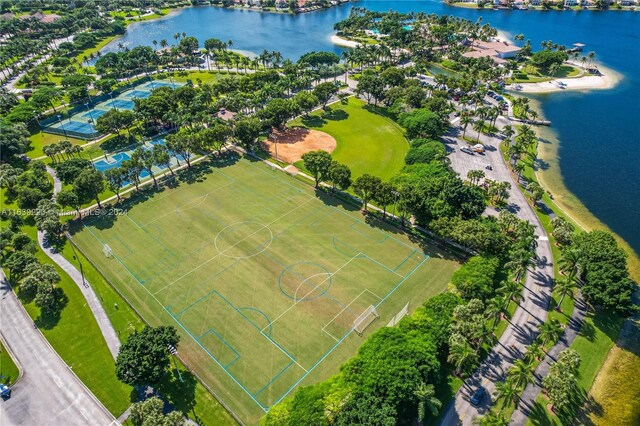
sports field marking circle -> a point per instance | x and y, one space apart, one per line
243 240
304 281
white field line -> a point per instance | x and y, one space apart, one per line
350 303
312 290
230 247
329 334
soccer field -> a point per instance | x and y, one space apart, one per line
264 279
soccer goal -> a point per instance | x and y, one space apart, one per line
106 250
365 319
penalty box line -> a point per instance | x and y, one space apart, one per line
344 309
295 303
230 247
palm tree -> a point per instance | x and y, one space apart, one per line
478 126
520 264
426 400
535 351
519 168
520 374
496 308
569 262
512 290
491 419
507 392
461 354
465 120
565 285
550 331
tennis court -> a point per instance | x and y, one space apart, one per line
266 283
75 126
81 124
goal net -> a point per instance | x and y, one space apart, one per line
106 250
397 317
365 319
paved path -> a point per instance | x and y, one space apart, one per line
108 332
48 392
532 311
568 336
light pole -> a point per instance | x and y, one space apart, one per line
62 126
174 352
35 113
396 194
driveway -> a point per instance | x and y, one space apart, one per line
48 392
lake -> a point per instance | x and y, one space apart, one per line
599 130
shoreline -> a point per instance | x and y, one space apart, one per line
608 80
467 5
343 42
552 180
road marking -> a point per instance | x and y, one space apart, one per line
485 381
455 120
543 238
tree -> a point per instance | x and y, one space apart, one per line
115 180
569 262
318 163
161 157
339 176
371 87
425 151
183 143
89 184
561 383
383 196
461 354
564 286
246 132
18 262
324 91
536 192
475 176
365 187
114 121
476 278
145 158
47 219
535 352
150 412
550 331
491 419
562 230
278 111
426 400
214 137
14 140
306 101
520 374
423 123
604 272
69 199
144 357
507 392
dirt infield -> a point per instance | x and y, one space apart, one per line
292 143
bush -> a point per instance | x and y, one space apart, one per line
476 278
425 151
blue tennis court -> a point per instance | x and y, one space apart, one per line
142 94
75 126
94 113
160 83
120 104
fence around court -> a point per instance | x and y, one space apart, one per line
45 124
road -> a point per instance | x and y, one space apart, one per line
48 392
532 311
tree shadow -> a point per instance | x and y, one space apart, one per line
335 115
313 121
118 142
179 394
50 318
337 199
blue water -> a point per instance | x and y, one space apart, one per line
599 130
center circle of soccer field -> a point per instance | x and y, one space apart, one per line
243 239
304 281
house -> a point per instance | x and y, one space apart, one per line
627 2
49 18
488 53
535 2
499 49
570 3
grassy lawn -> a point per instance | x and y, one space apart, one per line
203 76
367 141
87 52
190 396
258 289
8 369
42 139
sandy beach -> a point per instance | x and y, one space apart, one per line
339 41
607 80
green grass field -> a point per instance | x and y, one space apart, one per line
367 142
8 369
263 278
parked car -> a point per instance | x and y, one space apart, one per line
466 150
478 395
488 167
5 391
